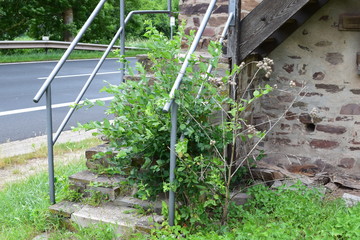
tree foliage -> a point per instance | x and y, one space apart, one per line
37 18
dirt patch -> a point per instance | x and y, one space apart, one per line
32 144
34 166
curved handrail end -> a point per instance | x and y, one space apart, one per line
167 106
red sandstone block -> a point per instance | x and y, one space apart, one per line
347 163
331 129
323 144
350 109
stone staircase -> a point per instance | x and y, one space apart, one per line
106 199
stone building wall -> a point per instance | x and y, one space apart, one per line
323 125
247 6
192 11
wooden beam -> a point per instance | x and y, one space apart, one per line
290 26
264 20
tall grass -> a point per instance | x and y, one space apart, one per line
24 205
24 210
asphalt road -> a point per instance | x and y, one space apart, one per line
21 118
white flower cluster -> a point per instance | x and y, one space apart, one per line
216 82
292 83
242 65
266 64
251 129
313 113
233 83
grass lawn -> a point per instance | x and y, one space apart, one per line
41 55
271 214
24 204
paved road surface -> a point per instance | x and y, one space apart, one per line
20 117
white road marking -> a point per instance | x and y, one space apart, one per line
33 109
79 75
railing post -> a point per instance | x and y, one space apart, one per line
122 38
174 110
171 18
50 144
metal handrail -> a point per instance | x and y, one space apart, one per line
189 53
221 40
46 87
98 66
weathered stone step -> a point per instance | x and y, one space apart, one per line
125 219
65 208
105 162
132 202
113 186
95 163
137 77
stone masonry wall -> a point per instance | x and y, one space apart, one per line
247 6
323 125
192 11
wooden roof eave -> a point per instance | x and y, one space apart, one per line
271 22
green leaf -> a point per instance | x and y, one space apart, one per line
256 93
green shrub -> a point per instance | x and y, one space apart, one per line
140 130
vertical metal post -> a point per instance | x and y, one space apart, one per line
169 5
122 38
50 144
171 19
174 110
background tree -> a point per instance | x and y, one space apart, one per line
61 19
15 18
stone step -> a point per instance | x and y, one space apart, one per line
148 206
96 163
87 181
125 219
65 208
137 78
